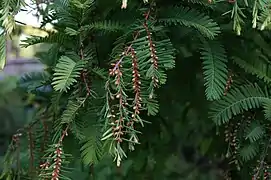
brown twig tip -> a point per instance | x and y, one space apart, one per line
86 83
84 72
228 84
45 165
65 133
16 140
116 67
147 14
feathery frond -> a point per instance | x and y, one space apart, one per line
237 101
105 26
255 66
53 37
2 50
32 80
66 73
214 68
255 132
92 147
190 18
248 152
72 110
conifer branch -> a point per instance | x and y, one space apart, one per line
260 167
154 60
147 52
83 73
56 156
57 161
136 86
16 141
125 53
45 135
31 149
118 125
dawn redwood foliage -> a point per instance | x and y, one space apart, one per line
167 89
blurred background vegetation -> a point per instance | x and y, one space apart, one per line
16 107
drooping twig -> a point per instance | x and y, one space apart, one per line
83 72
125 53
31 149
130 46
262 160
58 152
